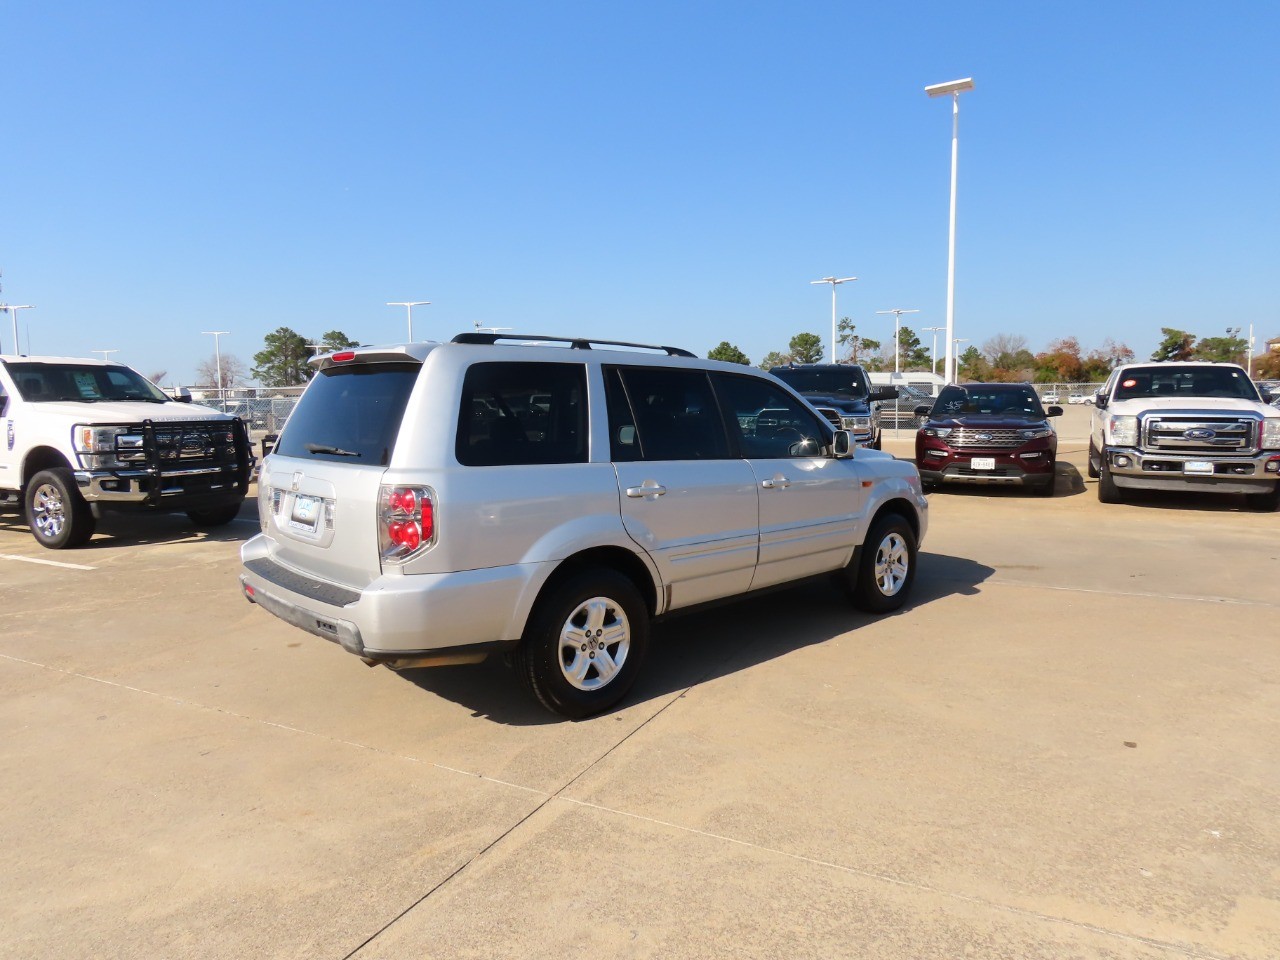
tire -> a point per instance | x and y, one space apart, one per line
1108 492
58 516
1264 502
880 575
216 516
554 658
1094 457
1048 489
877 443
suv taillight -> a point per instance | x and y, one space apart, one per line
406 521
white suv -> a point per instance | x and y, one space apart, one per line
434 503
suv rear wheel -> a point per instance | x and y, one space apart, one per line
583 645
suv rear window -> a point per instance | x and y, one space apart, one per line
350 414
523 413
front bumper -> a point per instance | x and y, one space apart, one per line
152 486
1132 469
938 463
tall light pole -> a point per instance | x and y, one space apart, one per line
933 354
104 353
897 321
835 282
13 312
1249 369
217 352
408 305
952 89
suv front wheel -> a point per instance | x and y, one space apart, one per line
879 576
583 645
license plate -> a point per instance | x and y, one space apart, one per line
306 512
983 463
1197 467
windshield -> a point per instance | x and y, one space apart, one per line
85 383
1007 401
1178 381
832 381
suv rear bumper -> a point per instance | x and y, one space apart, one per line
1132 469
396 617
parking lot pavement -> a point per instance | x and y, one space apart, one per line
1065 747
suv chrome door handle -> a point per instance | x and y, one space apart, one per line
646 489
777 483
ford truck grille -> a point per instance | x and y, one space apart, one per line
1200 434
971 437
832 415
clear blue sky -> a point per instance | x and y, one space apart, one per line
664 172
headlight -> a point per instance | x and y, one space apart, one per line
1124 431
937 431
1271 433
859 424
1035 433
96 446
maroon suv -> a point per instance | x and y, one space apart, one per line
988 433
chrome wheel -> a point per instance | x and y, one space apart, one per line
594 643
48 511
893 562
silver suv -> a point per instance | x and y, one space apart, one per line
547 498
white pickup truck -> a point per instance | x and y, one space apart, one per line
1185 426
80 436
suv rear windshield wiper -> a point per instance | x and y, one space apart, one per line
336 451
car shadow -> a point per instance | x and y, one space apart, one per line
124 529
688 650
1201 501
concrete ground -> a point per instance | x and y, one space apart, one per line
1068 745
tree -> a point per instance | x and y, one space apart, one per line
1266 366
774 359
232 371
1099 363
848 337
1009 358
337 340
1228 349
913 355
283 360
972 365
1060 363
806 347
1176 345
727 352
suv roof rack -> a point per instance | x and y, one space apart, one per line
575 343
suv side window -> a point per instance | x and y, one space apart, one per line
672 415
523 413
771 423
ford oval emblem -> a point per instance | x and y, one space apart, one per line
1199 434
982 436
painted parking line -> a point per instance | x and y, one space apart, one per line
47 563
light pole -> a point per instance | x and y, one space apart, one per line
408 305
954 89
835 282
897 320
1249 369
217 352
933 354
104 353
13 312
955 343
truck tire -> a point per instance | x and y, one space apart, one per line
1108 492
879 577
215 516
1094 459
58 516
584 643
1264 502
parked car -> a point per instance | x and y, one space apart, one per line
988 433
1076 398
900 413
415 527
1050 397
842 394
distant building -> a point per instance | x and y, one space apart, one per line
1273 345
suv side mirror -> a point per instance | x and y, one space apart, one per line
1100 400
1053 412
923 410
883 393
182 395
842 445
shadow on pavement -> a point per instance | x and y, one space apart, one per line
694 648
123 529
